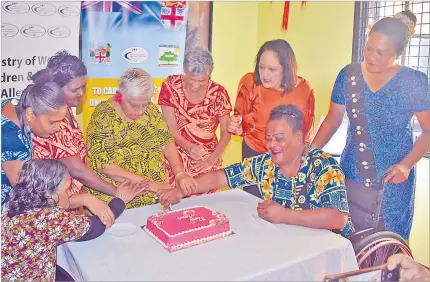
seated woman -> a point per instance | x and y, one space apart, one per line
274 82
193 106
36 221
127 137
38 113
300 184
67 144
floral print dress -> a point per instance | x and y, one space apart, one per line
29 242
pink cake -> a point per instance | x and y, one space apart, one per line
187 227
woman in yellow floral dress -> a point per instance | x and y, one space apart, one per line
127 139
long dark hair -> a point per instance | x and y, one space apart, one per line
287 60
38 181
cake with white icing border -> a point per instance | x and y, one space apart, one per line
187 227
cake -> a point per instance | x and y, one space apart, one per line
187 227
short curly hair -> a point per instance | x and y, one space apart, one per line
38 181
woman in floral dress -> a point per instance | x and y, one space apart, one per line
36 221
193 106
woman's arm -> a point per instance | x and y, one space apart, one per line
97 227
12 169
86 176
322 218
243 107
309 118
169 116
329 126
225 137
172 157
399 172
118 174
422 144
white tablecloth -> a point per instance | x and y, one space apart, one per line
258 250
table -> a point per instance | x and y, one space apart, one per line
258 250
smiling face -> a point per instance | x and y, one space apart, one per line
74 91
270 70
379 53
282 142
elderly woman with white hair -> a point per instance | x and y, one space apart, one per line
193 106
127 138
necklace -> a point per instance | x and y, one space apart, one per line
298 194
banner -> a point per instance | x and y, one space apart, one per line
31 33
117 35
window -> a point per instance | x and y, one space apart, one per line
417 52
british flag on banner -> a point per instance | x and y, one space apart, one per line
112 6
173 13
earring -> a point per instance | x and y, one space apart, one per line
27 128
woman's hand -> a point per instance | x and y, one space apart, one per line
271 211
409 269
397 173
234 125
100 209
186 183
197 152
157 186
170 197
126 191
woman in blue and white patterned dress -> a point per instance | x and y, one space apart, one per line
380 97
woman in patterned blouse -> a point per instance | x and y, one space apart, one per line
127 138
193 106
36 221
38 113
300 184
67 144
380 97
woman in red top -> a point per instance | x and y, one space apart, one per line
274 82
193 106
68 144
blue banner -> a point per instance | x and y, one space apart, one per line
117 35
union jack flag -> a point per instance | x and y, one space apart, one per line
112 6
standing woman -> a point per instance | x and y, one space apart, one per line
193 106
274 82
380 97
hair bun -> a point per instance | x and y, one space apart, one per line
409 19
43 76
56 60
